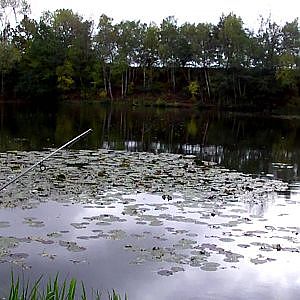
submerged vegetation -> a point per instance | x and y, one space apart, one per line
222 64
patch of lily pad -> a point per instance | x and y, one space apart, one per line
185 213
75 176
71 246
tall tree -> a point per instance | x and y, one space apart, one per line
168 44
129 38
268 40
291 42
289 58
8 57
10 12
75 35
183 50
232 42
106 50
37 69
148 55
24 33
203 51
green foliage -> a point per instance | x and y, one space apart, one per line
148 55
194 89
232 39
285 73
268 42
102 94
223 63
54 290
9 56
64 76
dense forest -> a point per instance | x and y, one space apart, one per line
64 56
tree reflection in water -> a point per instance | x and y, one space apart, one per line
248 143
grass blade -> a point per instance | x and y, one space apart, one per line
83 296
72 289
53 290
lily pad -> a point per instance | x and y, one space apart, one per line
165 273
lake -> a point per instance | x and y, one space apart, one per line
140 206
251 144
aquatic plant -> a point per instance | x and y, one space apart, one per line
115 296
54 290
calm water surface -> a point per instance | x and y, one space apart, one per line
248 143
110 256
122 256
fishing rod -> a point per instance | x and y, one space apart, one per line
46 157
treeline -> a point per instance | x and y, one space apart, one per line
64 55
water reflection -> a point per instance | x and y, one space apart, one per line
243 142
216 241
248 263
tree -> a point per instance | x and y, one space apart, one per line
8 53
289 59
129 38
37 68
65 75
168 44
74 34
193 89
24 33
203 51
12 9
8 57
232 42
268 42
105 43
291 40
148 55
204 48
183 51
61 55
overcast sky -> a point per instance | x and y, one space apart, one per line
188 10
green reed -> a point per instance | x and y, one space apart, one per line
54 290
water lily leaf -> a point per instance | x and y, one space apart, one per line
210 266
165 272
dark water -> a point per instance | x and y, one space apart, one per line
248 143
